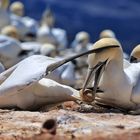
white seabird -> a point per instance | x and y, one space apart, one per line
9 51
47 33
113 84
24 85
25 25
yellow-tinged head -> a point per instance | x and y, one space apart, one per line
106 49
10 31
107 33
135 54
17 8
48 50
82 36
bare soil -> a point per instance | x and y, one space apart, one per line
26 125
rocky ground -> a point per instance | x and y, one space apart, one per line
59 124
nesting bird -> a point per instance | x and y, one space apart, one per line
25 86
26 26
113 84
47 33
9 51
135 55
12 50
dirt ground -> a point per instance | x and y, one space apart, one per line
67 124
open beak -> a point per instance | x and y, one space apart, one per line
97 70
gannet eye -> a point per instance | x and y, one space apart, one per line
133 59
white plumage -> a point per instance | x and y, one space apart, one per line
9 51
25 86
119 86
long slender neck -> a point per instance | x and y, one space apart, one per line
114 70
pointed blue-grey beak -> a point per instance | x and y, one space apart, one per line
55 65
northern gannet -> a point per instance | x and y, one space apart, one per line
25 85
48 33
113 84
10 51
27 27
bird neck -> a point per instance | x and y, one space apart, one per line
114 71
114 68
117 60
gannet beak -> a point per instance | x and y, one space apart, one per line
55 65
98 75
98 70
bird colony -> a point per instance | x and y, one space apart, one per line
38 67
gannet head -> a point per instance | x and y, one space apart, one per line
10 31
17 8
107 49
82 37
135 55
48 50
107 33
